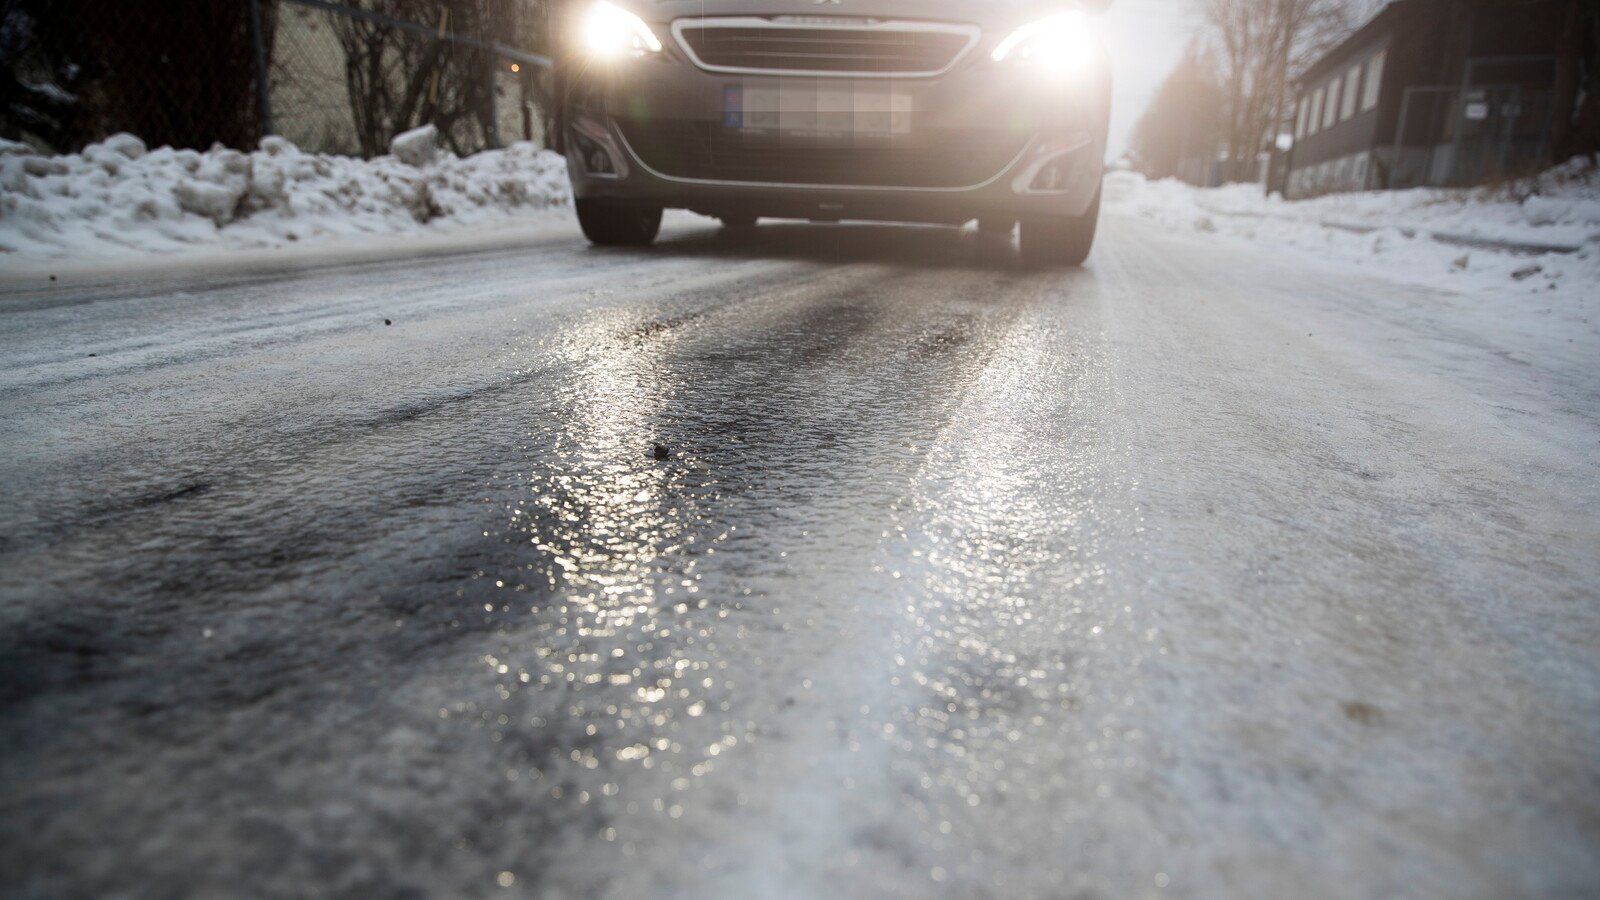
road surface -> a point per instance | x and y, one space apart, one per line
1195 573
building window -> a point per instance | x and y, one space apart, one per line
1315 120
1369 97
1352 80
1300 119
1330 110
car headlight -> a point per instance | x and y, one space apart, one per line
1063 43
611 32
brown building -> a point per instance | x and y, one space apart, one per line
1431 92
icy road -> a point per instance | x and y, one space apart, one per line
1195 573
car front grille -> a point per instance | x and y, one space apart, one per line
705 151
763 45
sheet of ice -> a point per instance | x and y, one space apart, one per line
1394 232
117 198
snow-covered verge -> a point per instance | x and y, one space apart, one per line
1511 237
121 199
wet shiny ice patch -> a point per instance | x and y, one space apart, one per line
831 627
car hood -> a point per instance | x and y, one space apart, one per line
991 13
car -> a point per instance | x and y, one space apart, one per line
939 111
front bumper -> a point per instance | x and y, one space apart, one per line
983 142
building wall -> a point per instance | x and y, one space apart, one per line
1350 172
1424 44
1343 127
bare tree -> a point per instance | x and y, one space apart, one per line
1179 133
398 80
1259 44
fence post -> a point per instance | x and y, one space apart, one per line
263 87
1399 138
493 72
491 69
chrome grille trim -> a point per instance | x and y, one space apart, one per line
970 32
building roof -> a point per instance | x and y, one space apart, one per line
1357 40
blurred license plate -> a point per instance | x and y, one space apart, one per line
820 109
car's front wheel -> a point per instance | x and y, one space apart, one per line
608 223
1060 240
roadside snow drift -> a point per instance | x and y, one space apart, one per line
117 198
1539 235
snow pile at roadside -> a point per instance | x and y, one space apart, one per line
118 198
1462 239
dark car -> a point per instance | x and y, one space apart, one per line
900 110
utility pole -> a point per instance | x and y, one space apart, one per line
263 88
491 74
1288 13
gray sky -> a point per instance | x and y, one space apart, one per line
1145 38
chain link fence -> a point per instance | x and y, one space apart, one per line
339 77
347 79
75 71
1451 136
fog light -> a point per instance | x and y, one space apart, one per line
1053 167
596 160
1050 178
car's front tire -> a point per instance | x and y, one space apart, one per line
1060 240
607 223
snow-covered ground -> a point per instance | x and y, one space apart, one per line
118 198
1540 235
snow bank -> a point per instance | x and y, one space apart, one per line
117 198
1459 239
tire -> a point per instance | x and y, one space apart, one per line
738 222
1060 240
607 223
